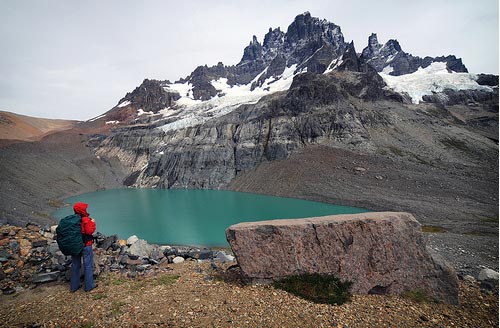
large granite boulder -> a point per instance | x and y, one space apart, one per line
381 253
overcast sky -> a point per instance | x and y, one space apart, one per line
76 59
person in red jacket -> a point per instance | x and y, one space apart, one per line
88 228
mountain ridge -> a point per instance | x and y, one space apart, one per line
312 44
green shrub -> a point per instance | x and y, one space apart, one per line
433 229
317 288
55 203
489 220
418 296
167 279
98 296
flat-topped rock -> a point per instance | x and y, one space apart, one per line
380 252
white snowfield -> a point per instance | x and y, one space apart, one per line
189 112
434 78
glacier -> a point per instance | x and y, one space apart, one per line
434 78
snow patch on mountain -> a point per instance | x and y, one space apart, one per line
195 112
185 90
336 62
433 79
124 103
141 112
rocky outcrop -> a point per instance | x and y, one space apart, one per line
487 79
380 253
310 43
390 58
473 98
150 96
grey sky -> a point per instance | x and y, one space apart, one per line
76 59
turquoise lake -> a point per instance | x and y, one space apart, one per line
189 217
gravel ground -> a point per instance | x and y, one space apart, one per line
467 253
201 297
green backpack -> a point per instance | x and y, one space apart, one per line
69 235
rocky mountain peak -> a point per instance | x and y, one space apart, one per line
391 59
309 44
373 46
273 38
392 46
150 96
373 41
306 28
253 51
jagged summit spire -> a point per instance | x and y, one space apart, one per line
391 59
309 44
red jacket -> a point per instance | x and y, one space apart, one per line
88 224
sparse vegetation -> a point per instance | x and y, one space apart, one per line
196 300
98 296
167 279
317 288
489 220
42 215
73 180
455 143
418 297
396 151
110 280
116 308
422 160
433 229
55 203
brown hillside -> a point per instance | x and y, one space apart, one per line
15 127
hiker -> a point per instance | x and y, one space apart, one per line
88 228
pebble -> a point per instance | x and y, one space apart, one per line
132 239
178 259
487 274
469 279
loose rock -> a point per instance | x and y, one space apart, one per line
488 274
132 239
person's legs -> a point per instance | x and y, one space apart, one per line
88 267
76 263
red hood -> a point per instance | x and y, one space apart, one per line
81 209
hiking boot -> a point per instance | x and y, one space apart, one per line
95 286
